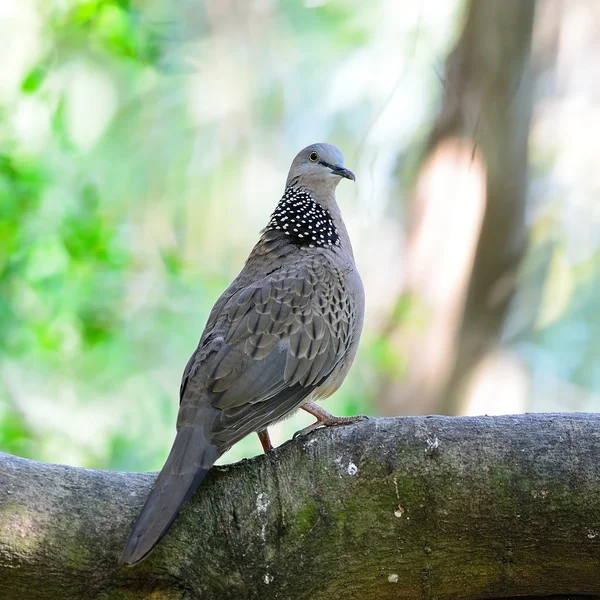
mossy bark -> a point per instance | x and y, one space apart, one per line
424 507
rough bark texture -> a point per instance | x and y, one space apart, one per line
423 507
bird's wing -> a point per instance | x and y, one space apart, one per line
274 341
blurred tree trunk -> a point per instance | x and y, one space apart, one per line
467 232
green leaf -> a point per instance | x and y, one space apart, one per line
34 79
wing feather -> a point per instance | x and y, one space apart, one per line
273 342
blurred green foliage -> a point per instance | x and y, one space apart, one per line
64 256
119 176
142 148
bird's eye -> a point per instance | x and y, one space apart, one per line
314 157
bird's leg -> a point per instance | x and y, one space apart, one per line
265 440
324 418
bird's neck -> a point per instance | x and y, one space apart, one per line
306 222
330 204
276 247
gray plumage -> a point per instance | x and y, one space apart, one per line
285 331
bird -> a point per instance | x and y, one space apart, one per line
282 335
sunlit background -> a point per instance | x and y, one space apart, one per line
144 144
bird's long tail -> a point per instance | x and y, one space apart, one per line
190 459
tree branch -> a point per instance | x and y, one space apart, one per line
423 507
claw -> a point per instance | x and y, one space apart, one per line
325 419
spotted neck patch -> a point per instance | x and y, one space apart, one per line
305 221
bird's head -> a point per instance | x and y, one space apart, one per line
318 167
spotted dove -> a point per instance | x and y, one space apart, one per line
284 333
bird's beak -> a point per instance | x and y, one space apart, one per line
343 172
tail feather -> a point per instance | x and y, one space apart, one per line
189 460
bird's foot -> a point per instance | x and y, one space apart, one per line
325 419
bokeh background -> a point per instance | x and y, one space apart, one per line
144 144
